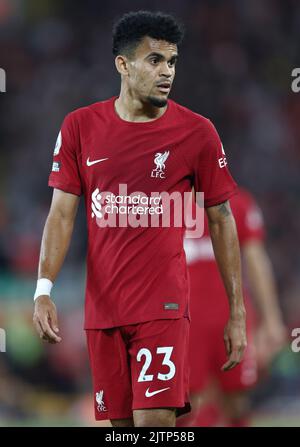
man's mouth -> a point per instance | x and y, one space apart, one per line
164 87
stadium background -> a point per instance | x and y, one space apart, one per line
235 68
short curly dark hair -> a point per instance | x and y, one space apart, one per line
130 29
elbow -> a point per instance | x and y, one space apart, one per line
58 218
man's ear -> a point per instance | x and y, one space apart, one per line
122 64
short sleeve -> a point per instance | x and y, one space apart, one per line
65 171
248 217
210 171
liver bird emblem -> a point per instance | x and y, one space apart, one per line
99 400
160 159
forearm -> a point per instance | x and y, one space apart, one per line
261 281
227 253
55 243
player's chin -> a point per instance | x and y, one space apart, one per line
158 100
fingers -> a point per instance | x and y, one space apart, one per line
48 332
44 329
40 331
235 358
229 365
38 327
45 320
227 345
45 336
53 321
233 361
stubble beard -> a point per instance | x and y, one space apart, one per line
157 102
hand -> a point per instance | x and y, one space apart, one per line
270 338
45 319
235 341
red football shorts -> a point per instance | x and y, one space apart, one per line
140 366
207 355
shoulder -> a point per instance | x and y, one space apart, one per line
80 121
99 108
199 133
189 117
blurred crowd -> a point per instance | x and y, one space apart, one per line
235 68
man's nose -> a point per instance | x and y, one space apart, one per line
166 70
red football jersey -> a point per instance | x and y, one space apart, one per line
208 296
136 273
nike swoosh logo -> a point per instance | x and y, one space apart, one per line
90 163
152 393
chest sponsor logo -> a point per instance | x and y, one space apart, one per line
135 204
156 209
160 159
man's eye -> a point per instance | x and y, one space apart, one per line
154 61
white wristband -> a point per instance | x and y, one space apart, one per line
43 287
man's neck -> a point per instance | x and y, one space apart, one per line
133 109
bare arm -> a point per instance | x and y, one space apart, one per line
226 248
55 243
261 278
57 233
271 333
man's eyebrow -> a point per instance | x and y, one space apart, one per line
160 56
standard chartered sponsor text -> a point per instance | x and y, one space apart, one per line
158 209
